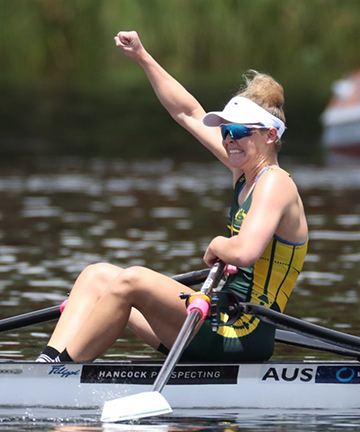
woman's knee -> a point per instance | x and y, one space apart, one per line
129 282
98 276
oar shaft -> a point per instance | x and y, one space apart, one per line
295 339
30 318
287 322
176 351
193 320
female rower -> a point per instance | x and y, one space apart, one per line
267 237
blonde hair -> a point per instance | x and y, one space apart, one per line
265 91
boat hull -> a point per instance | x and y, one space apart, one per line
290 385
343 138
341 118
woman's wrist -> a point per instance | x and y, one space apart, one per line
145 59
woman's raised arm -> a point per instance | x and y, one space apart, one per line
180 104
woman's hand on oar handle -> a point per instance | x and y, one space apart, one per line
129 42
211 256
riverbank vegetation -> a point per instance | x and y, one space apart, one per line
61 74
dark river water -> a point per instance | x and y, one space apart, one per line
59 215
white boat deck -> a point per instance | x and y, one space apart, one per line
290 384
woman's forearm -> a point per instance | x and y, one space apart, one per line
231 251
173 96
180 104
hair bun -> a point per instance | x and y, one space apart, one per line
265 91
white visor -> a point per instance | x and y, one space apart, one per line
244 111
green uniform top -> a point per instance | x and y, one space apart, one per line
270 280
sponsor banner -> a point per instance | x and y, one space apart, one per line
342 374
317 374
146 374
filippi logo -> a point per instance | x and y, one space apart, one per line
344 374
63 371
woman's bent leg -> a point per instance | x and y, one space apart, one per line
155 296
87 290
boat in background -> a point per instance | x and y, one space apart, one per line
341 118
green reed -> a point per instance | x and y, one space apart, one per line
51 46
62 40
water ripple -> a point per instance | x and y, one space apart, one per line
335 235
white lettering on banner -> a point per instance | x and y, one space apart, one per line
195 374
123 374
278 374
144 374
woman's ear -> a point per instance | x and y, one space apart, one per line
271 135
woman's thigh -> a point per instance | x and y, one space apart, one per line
157 313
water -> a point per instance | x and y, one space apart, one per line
226 421
59 215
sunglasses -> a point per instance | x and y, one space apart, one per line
237 131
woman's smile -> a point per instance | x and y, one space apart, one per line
235 151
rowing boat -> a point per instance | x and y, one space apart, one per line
273 384
309 384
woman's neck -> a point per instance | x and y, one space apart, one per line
252 173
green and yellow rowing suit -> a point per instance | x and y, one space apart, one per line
268 282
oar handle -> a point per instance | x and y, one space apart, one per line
213 278
193 277
201 303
